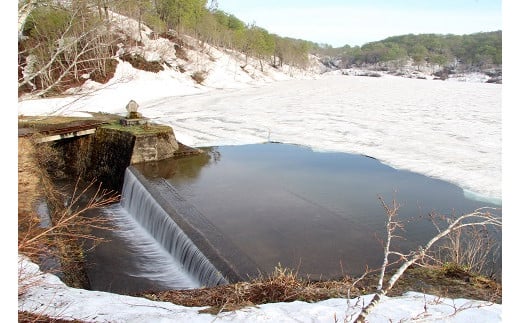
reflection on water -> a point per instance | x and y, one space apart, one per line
315 212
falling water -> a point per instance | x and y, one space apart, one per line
145 210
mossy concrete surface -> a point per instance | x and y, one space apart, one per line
105 155
115 147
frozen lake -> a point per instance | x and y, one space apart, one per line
445 130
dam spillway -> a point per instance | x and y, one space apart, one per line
203 252
145 209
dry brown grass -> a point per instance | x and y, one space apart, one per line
442 282
28 180
26 317
62 237
471 248
199 76
139 62
283 285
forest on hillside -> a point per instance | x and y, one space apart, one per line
59 41
474 51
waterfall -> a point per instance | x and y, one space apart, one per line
145 210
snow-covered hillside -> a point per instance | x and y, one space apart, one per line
182 56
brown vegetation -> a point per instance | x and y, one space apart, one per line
25 317
103 76
61 48
138 61
179 44
283 285
63 237
422 255
199 76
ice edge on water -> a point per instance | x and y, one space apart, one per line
482 198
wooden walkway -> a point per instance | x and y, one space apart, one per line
56 132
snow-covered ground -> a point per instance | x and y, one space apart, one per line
51 297
448 130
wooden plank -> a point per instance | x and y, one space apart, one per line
67 135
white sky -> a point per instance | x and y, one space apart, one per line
350 22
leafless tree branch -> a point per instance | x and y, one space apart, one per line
482 217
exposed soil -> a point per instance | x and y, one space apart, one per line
25 317
28 183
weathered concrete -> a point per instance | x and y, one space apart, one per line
111 154
133 122
105 155
154 147
114 150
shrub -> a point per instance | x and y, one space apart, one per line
138 61
104 75
59 46
199 76
471 248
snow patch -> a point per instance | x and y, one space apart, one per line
49 296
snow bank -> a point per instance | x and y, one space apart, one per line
51 297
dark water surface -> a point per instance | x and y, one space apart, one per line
317 213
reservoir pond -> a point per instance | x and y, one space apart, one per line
318 213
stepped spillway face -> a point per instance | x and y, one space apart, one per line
148 213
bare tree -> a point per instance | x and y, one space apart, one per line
483 217
213 6
60 46
24 9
